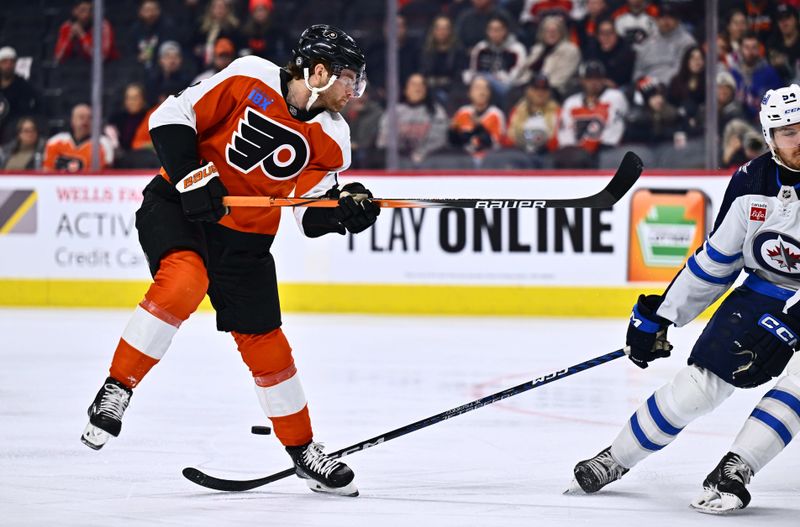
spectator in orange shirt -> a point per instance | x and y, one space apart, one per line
479 126
75 35
72 151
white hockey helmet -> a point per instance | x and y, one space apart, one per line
779 108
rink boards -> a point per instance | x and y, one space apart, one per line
71 241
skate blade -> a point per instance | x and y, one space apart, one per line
574 488
94 437
718 503
348 490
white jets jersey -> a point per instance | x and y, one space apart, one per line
758 230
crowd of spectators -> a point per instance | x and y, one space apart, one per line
499 84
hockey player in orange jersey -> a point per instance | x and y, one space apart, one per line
251 129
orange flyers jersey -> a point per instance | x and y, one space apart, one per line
245 127
492 120
63 154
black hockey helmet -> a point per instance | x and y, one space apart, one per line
331 45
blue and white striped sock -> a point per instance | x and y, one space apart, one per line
771 426
692 393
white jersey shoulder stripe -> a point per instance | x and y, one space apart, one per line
334 125
179 109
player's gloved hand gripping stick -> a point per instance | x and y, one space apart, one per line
646 340
202 193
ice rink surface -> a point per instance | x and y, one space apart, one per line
502 465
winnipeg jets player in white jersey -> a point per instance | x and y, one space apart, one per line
749 340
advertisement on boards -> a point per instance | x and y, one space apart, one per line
83 228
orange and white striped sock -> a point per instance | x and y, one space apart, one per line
179 286
277 385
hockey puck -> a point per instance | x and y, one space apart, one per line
261 430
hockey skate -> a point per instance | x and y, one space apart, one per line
105 413
321 472
724 489
593 474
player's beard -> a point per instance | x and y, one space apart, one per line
331 101
790 157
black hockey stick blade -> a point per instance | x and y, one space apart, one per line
232 485
628 172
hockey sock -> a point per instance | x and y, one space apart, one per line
178 288
692 393
773 423
269 357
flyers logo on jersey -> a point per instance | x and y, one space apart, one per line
258 140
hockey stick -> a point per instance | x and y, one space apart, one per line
628 172
201 478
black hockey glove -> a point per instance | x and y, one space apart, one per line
201 194
646 340
769 346
356 211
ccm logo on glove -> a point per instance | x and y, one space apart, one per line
777 328
198 178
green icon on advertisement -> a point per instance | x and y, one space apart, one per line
665 235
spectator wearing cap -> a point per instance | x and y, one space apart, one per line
754 76
613 52
443 59
263 36
728 108
76 36
170 75
591 120
553 55
499 57
72 151
655 120
687 89
421 124
532 127
635 21
224 54
17 96
148 32
656 57
479 126
217 23
471 22
783 46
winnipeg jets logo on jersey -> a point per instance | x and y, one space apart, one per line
778 253
258 140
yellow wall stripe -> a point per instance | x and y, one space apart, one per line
19 213
357 298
